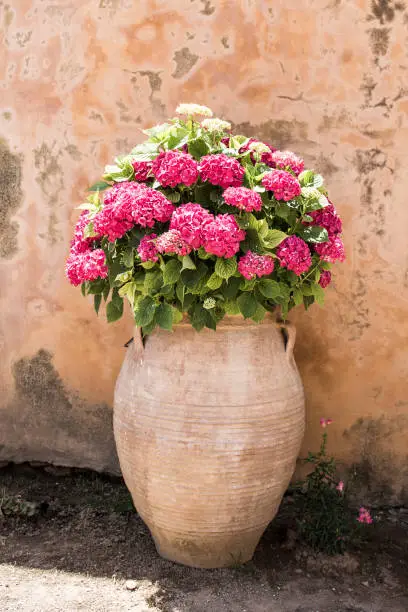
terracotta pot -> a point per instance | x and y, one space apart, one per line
208 427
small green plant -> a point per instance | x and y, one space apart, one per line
325 521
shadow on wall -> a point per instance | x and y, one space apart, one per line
47 422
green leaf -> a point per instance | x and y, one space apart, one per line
188 263
198 317
164 316
318 294
148 265
313 233
99 186
247 305
171 272
269 288
121 278
198 148
305 178
153 281
191 278
272 238
154 131
144 311
97 302
214 282
259 314
173 196
180 290
114 309
297 296
83 289
128 257
177 316
128 291
232 287
231 307
225 268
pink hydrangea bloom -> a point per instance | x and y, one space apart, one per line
190 220
325 422
173 168
172 242
143 170
325 278
147 248
243 198
340 486
222 236
283 185
251 265
294 254
328 218
79 244
364 516
286 159
86 266
331 251
219 169
131 203
266 157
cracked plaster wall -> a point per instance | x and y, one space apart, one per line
78 78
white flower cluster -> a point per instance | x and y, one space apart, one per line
194 109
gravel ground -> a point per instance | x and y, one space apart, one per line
70 541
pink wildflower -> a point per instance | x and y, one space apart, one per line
147 248
332 251
364 516
219 169
86 266
266 157
325 422
325 278
143 170
283 185
328 218
294 254
190 220
173 168
340 486
243 198
251 265
284 160
222 236
128 204
172 242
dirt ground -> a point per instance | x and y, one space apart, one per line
84 548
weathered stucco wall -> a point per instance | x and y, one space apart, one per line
324 77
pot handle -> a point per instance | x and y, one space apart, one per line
289 331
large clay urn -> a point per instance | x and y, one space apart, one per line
208 427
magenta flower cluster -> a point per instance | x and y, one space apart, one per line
190 220
128 204
251 265
266 156
332 250
286 160
222 170
364 516
243 198
172 168
86 266
328 218
282 184
294 254
143 170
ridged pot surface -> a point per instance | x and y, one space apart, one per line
208 427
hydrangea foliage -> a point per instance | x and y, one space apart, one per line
198 221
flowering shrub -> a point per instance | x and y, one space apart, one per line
196 220
326 522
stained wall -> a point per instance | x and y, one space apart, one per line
80 78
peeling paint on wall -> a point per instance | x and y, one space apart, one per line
11 198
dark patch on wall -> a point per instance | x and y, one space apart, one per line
379 40
384 10
372 476
155 83
279 133
359 309
225 42
11 198
207 7
46 421
370 160
325 166
51 181
185 60
367 87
